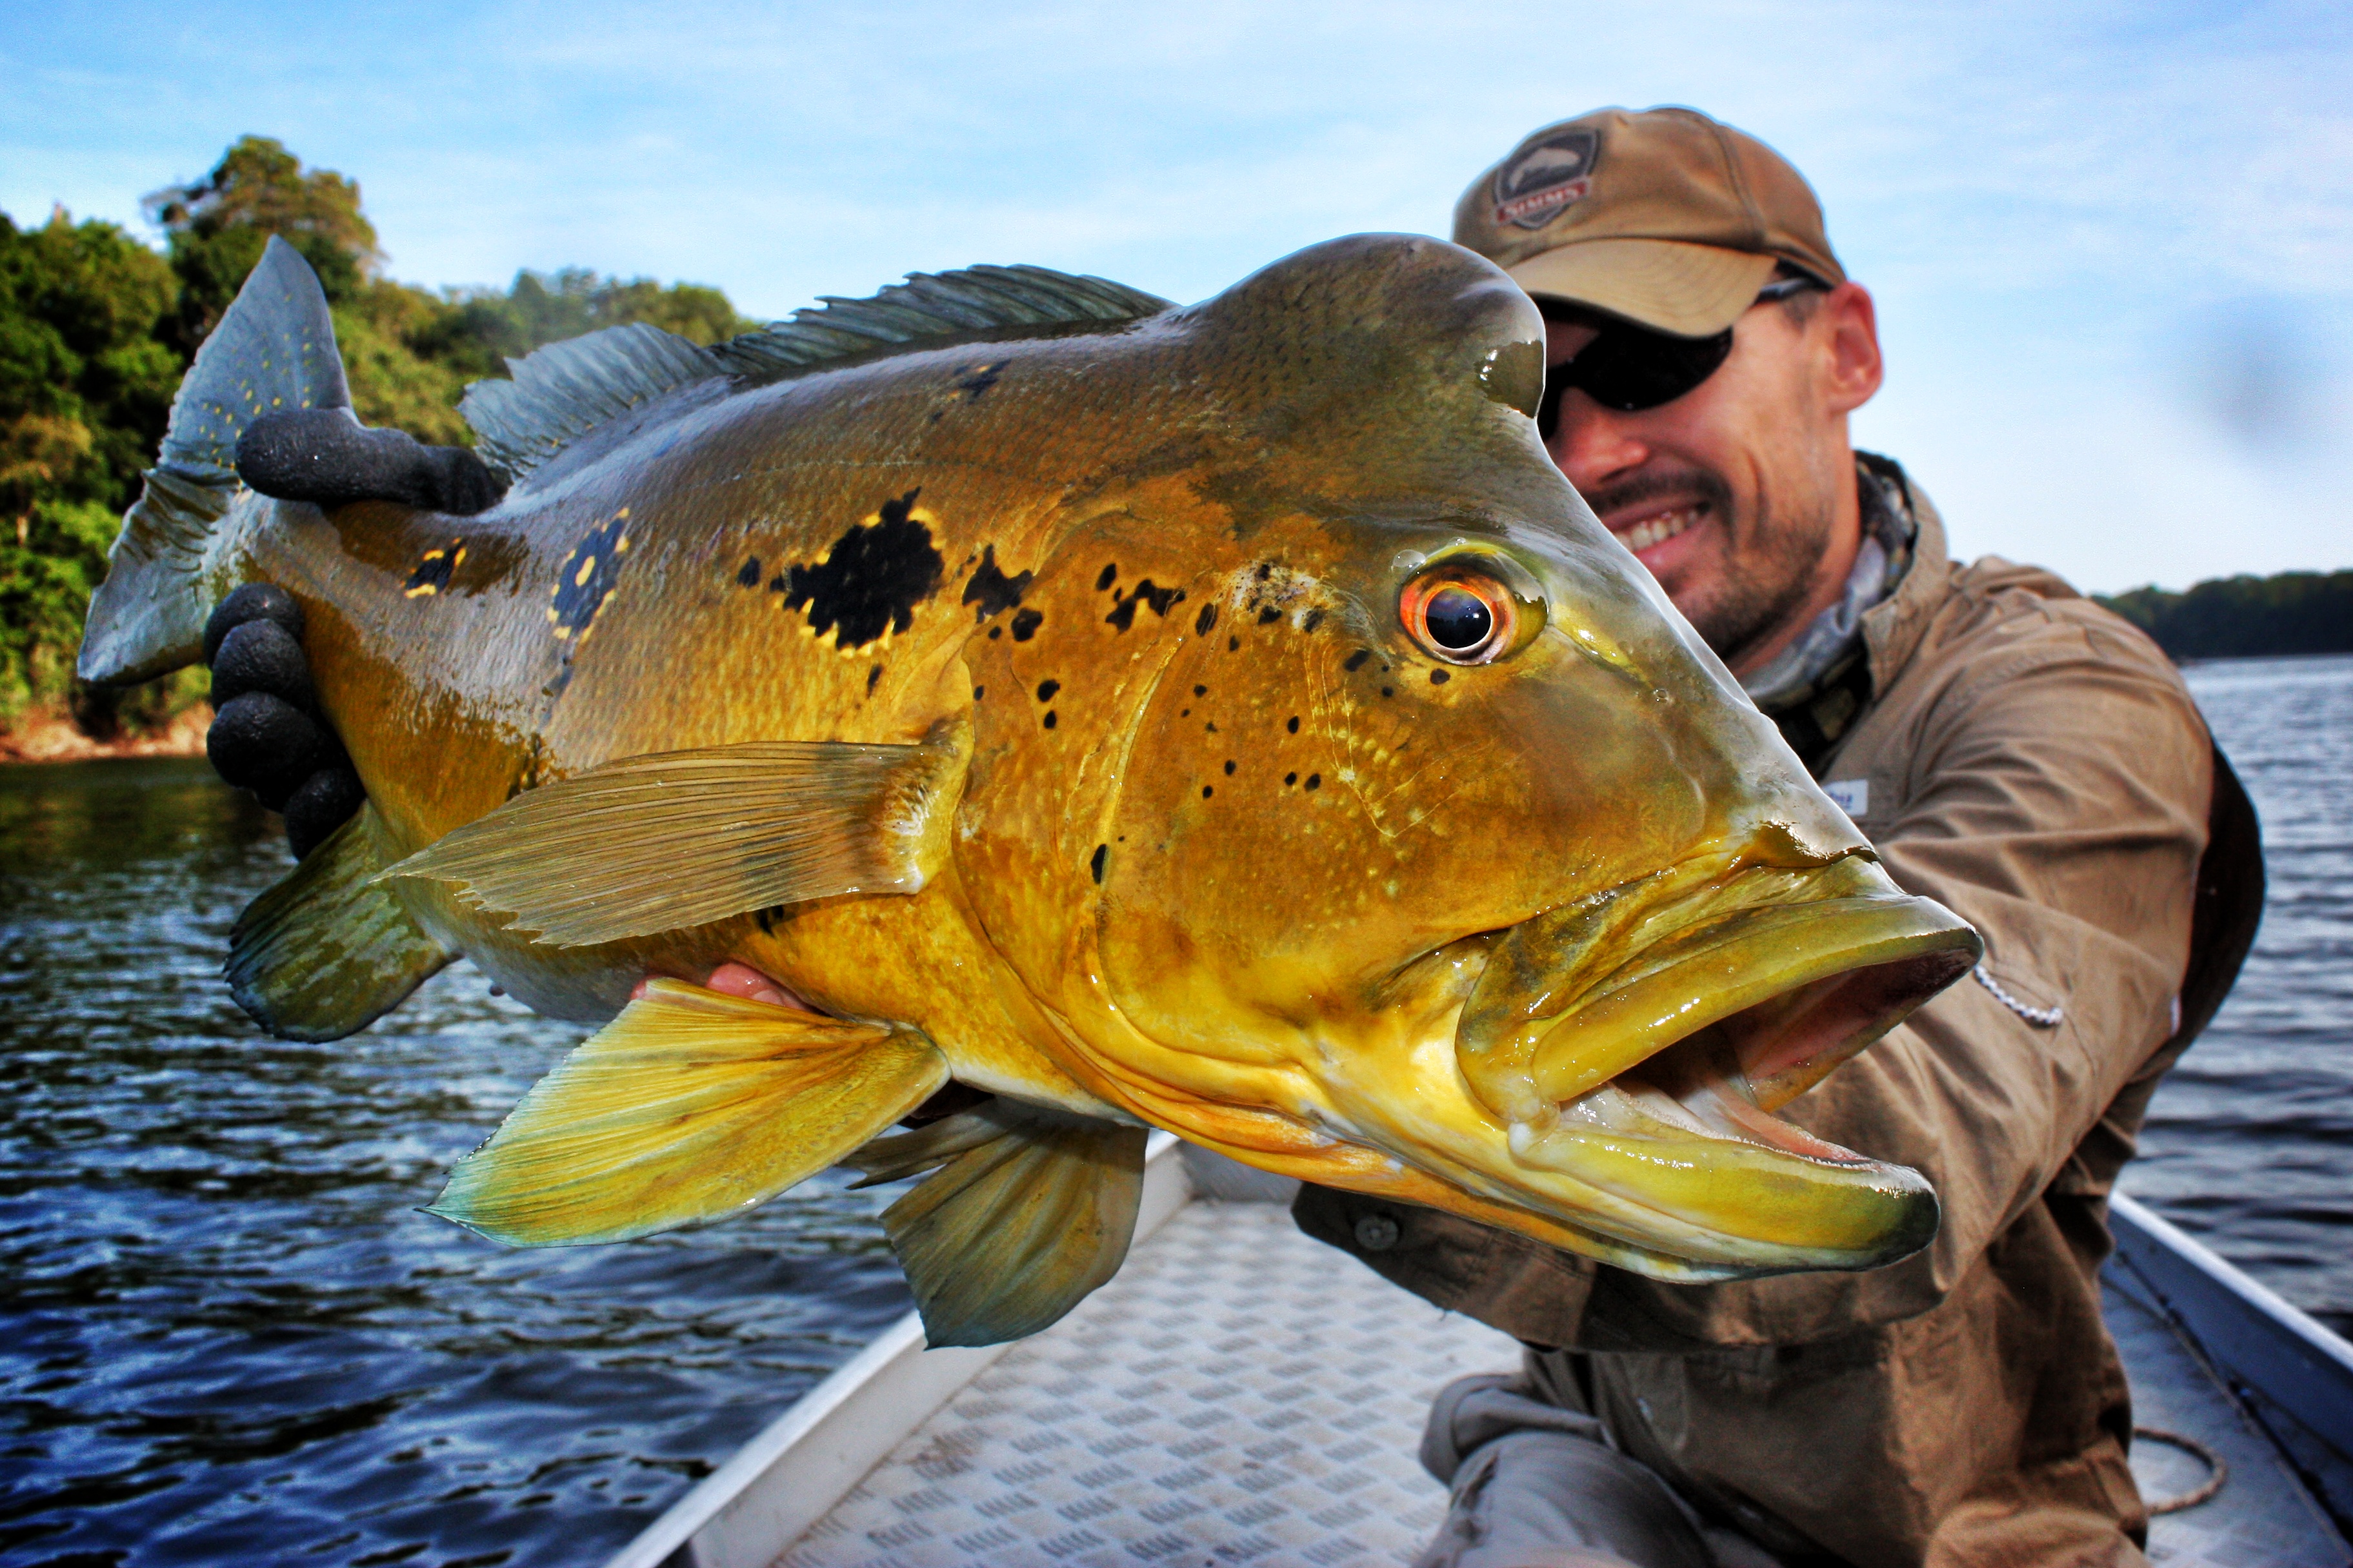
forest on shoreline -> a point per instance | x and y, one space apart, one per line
97 328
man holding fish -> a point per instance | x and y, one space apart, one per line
1028 712
2011 749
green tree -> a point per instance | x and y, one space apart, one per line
218 224
85 383
2225 617
96 331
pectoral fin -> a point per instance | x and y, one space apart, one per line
1030 1210
690 1107
327 951
684 839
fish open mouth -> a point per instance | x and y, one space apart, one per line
1653 1088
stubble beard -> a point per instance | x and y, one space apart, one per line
1765 563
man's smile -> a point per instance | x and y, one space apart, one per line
1649 529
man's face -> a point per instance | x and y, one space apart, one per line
1734 494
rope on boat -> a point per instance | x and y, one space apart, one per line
2218 1472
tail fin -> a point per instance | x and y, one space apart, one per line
178 553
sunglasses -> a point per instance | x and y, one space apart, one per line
1629 368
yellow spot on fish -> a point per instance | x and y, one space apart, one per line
588 570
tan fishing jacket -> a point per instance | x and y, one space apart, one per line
2036 764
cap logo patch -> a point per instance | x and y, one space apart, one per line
1544 178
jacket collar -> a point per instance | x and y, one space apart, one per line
1891 629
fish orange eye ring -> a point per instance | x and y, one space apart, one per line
1461 613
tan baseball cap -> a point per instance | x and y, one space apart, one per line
1663 216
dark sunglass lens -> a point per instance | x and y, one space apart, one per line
1628 369
1557 381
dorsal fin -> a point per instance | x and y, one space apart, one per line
564 390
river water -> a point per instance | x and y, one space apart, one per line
227 1335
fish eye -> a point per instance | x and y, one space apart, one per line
1461 615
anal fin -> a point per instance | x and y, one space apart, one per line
690 1107
328 949
1029 1212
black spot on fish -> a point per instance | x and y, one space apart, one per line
433 569
1232 643
977 692
1314 781
1205 620
1049 717
1265 570
1269 617
1123 615
872 676
1230 767
1213 726
989 591
1200 691
1315 619
768 919
872 580
1046 689
1110 575
1290 779
994 633
1293 725
584 581
748 576
1389 691
1357 659
1186 713
1207 790
981 380
1025 625
1095 863
1439 677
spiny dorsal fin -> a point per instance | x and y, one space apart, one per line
562 392
685 838
690 1106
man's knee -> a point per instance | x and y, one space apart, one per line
1537 1487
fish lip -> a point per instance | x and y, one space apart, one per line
1890 950
1787 987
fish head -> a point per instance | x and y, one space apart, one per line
1406 840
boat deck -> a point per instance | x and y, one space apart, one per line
1241 1393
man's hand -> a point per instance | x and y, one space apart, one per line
267 735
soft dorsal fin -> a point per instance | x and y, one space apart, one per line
562 392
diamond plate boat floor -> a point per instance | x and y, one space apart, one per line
1241 1393
1238 1394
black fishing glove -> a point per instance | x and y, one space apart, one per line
328 456
267 735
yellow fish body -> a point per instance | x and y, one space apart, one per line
1222 719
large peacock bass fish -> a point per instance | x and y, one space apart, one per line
1222 719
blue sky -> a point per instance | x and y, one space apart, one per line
2113 245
